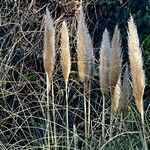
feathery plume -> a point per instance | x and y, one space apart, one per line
115 60
137 72
84 49
65 52
66 66
104 72
104 62
136 64
49 47
49 61
114 74
126 92
85 64
116 96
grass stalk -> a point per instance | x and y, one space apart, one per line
89 117
85 117
89 110
144 136
111 124
75 137
54 118
121 121
67 117
48 125
48 119
103 120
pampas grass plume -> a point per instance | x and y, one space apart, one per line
66 66
84 49
104 73
49 47
85 64
104 62
65 52
115 60
116 96
136 64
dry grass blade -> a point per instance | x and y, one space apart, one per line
49 47
104 62
136 64
65 52
115 60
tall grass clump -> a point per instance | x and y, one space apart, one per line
49 61
54 108
104 72
85 62
66 67
115 72
137 72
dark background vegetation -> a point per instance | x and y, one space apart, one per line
21 48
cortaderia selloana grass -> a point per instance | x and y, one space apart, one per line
69 82
114 82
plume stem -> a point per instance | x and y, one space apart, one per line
48 126
89 109
54 118
67 115
85 117
111 123
75 137
103 119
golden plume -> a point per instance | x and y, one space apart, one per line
136 65
115 59
65 52
84 49
49 47
104 62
